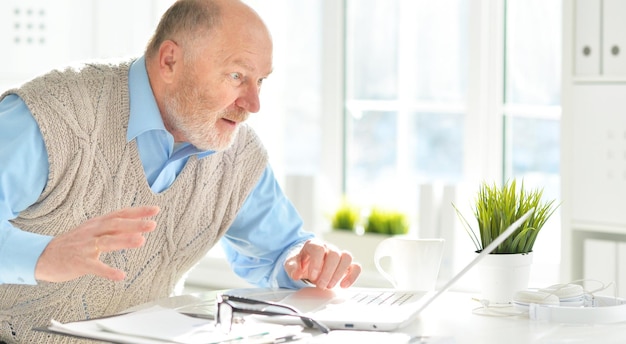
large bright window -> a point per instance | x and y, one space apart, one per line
414 101
532 108
406 90
377 98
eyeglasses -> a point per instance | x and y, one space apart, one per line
228 305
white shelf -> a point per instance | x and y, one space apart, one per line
599 79
598 228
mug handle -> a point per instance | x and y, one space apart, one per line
383 250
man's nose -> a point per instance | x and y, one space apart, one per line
249 100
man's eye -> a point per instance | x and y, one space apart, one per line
235 76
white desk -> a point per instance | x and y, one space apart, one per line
451 316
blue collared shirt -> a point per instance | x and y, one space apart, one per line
266 213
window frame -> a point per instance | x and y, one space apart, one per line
484 114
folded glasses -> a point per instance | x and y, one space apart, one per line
229 305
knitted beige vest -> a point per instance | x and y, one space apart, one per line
83 116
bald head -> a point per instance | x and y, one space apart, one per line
187 20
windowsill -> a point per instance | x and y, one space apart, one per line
213 273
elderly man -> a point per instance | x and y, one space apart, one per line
117 178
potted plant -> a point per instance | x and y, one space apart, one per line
388 222
346 226
360 235
496 208
346 217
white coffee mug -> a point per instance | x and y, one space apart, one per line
411 264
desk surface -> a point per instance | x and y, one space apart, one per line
457 316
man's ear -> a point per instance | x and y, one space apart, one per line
169 55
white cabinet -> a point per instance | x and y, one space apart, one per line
599 38
597 125
614 37
593 139
604 266
621 269
587 37
600 265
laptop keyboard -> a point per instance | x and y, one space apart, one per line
382 298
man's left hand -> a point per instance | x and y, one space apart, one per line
323 265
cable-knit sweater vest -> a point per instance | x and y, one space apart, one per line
83 116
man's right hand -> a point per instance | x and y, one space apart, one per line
77 253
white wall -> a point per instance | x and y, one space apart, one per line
37 35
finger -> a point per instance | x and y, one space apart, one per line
312 258
108 243
331 261
134 212
118 225
294 267
342 268
351 276
102 270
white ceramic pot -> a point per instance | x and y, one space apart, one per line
502 275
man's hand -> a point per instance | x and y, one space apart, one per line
77 252
323 265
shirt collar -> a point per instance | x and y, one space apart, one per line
144 112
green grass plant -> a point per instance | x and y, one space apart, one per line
346 217
388 222
496 208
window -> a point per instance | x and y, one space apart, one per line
434 95
291 96
377 97
406 82
532 108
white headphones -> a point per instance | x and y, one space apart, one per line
556 295
570 303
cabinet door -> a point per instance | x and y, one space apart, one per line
587 37
621 268
614 38
600 264
598 153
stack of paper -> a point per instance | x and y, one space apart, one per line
163 325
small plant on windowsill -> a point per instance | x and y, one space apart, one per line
496 208
349 233
389 222
346 217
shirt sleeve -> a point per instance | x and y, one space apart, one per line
23 176
267 229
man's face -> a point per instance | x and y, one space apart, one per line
216 90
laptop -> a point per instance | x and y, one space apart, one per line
369 309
